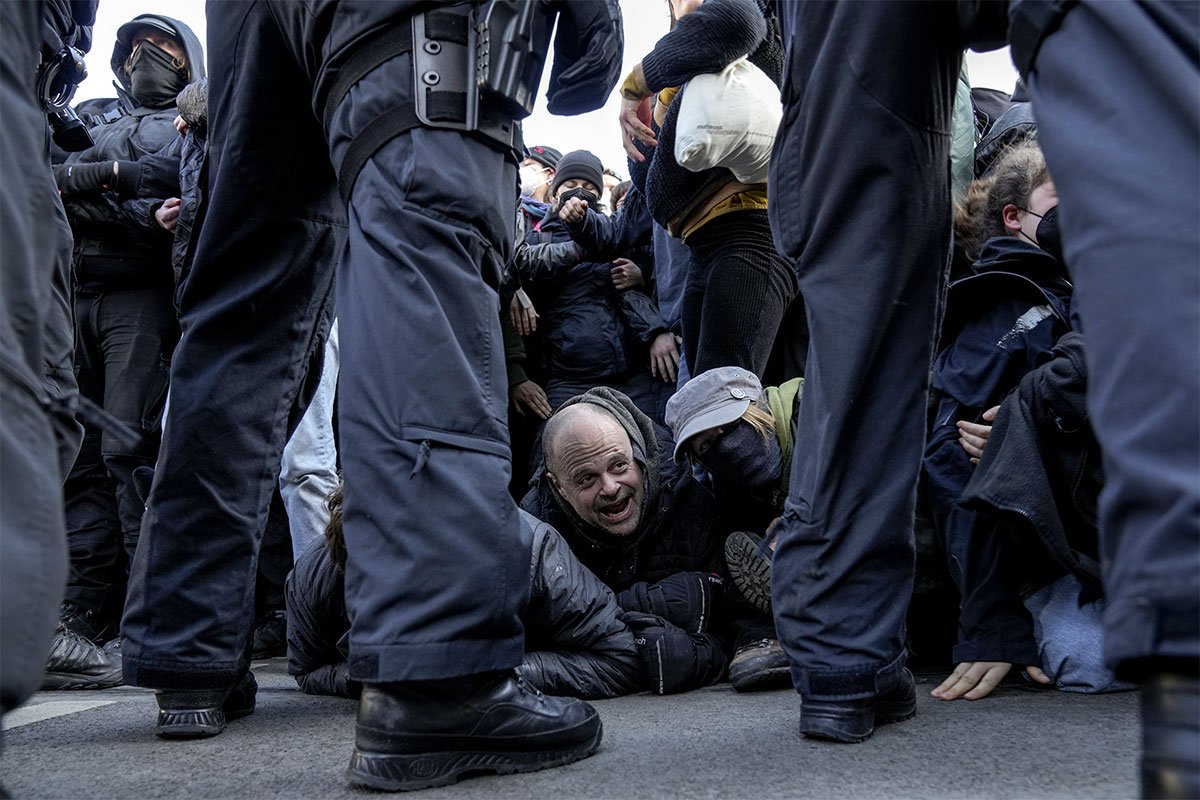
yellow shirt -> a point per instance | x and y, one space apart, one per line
749 200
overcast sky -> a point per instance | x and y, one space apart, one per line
645 22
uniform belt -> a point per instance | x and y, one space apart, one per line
441 106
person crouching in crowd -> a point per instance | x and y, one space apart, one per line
742 435
1002 324
608 481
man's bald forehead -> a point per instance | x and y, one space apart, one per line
573 421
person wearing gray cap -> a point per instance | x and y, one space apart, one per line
742 435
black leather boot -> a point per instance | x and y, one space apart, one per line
198 714
853 721
1171 735
431 733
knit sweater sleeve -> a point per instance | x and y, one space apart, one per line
707 40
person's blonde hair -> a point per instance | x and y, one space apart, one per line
759 417
979 216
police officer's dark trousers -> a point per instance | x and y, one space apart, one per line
32 541
860 203
437 566
1115 92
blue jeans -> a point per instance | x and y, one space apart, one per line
309 471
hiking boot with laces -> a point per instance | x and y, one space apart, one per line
85 622
760 665
749 560
77 663
431 733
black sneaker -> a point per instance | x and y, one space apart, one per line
760 665
431 733
85 622
77 663
270 636
749 560
853 721
199 714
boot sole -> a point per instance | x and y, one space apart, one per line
772 678
401 773
58 681
831 728
750 570
196 723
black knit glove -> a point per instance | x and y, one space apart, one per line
76 178
675 660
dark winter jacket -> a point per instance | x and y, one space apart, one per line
1000 323
591 331
115 243
1041 471
576 642
191 189
707 40
663 569
627 233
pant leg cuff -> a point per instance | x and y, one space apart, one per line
857 682
433 660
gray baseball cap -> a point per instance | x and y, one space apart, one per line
709 400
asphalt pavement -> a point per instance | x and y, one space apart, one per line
1021 742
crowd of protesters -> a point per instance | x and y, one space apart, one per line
690 391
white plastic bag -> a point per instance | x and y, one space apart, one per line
729 119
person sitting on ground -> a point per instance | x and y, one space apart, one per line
576 641
607 480
1042 479
1001 322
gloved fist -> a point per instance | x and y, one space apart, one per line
686 599
675 660
76 178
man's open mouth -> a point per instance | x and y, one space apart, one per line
618 511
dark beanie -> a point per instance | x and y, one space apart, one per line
546 156
578 164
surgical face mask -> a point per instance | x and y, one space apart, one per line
531 179
155 76
1048 236
745 458
591 198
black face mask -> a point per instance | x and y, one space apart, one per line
591 198
1048 237
154 77
745 458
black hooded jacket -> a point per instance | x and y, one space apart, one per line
117 244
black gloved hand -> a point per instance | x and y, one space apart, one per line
75 178
687 599
675 660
